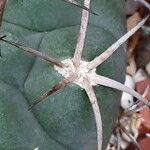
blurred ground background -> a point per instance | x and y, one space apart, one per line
132 130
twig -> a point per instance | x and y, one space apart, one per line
131 137
92 97
101 80
52 90
2 6
145 3
34 52
106 54
75 3
118 139
82 34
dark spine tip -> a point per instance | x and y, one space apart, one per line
2 37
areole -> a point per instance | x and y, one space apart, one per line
81 72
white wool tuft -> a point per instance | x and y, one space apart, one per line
82 71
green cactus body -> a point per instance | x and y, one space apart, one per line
65 121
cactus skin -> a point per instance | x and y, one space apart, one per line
65 121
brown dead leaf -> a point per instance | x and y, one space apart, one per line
133 20
133 41
142 52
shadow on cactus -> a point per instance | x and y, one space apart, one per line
70 118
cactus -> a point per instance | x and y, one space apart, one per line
65 121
